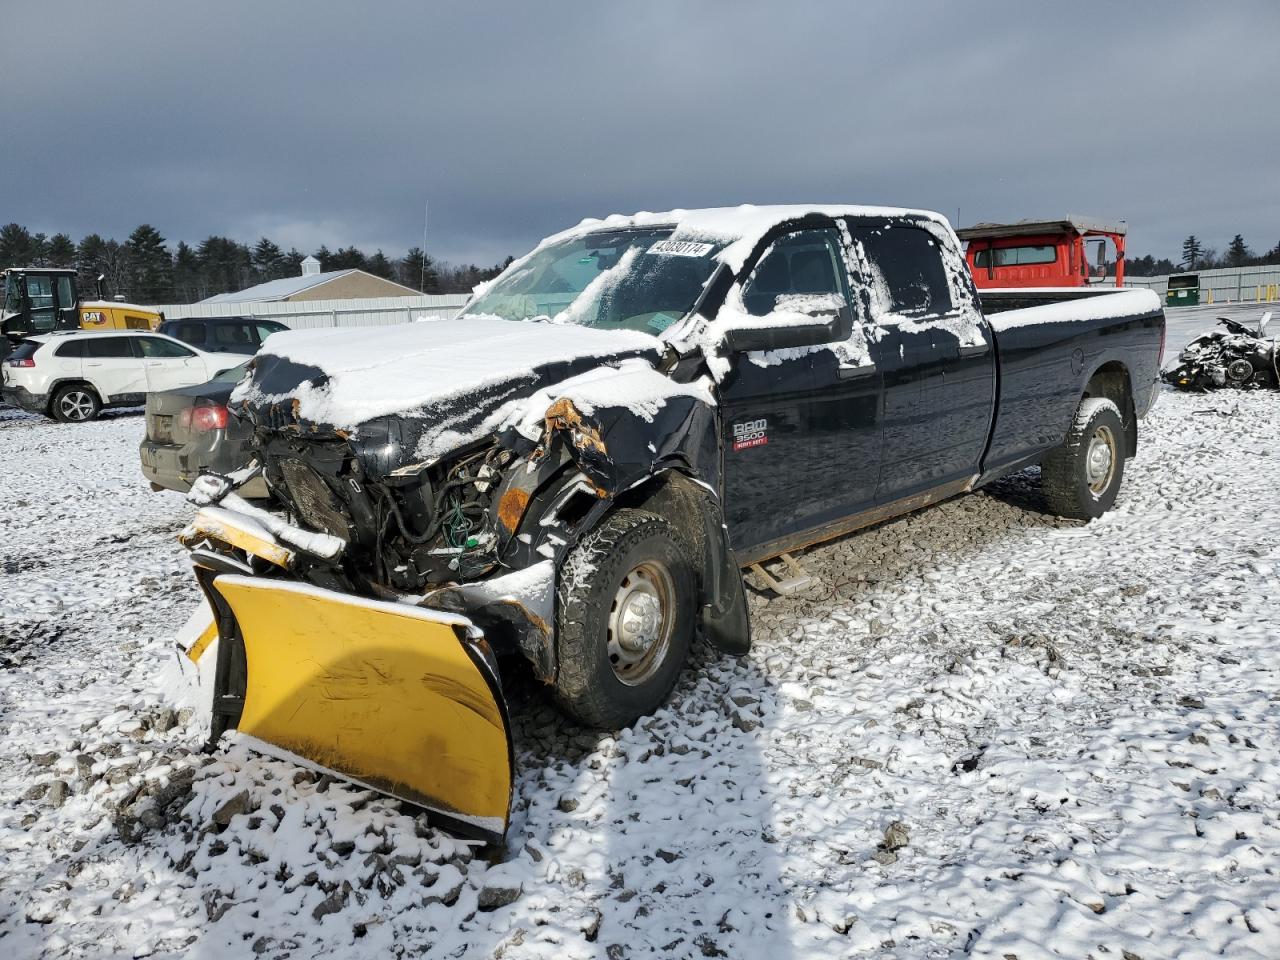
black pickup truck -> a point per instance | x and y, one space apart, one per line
583 461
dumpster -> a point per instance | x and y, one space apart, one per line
1184 291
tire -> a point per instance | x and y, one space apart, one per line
616 663
1082 477
75 404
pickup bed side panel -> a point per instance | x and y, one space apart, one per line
1044 367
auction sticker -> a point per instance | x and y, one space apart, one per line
681 248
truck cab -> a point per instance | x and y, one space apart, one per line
1071 252
38 300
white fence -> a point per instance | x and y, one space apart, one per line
1225 284
306 314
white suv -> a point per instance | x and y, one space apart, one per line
73 376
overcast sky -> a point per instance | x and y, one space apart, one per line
331 123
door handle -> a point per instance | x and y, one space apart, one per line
847 372
977 350
93 364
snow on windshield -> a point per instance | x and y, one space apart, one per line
620 279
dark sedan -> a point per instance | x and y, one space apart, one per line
190 429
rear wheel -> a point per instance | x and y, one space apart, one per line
1082 477
624 620
75 404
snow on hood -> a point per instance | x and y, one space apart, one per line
353 375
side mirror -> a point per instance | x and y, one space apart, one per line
825 328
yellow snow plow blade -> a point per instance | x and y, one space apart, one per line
394 697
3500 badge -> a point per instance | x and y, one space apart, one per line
753 433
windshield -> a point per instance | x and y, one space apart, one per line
622 279
234 375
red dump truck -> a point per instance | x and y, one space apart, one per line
1071 252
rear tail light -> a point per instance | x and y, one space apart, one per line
29 362
203 419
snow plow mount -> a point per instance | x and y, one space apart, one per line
398 698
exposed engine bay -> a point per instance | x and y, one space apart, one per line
1236 357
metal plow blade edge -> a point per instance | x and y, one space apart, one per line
396 698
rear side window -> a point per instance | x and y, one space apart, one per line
72 348
1015 256
26 350
106 348
156 348
233 335
909 262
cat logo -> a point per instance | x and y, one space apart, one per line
753 433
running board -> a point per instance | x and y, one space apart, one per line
799 579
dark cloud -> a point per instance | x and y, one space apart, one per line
332 123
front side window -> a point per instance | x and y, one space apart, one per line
108 348
157 349
634 279
66 298
40 291
907 269
796 267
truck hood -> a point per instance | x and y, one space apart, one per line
442 379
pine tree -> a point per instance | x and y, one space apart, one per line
186 274
325 256
61 251
380 266
151 267
293 262
1191 251
17 247
268 260
418 270
90 264
1238 252
348 258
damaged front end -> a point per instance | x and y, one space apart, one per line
360 621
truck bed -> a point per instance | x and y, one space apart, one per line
1050 343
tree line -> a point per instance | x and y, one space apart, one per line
1197 256
143 269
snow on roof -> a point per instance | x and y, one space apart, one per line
279 289
739 228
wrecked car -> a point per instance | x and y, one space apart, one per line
576 471
1235 357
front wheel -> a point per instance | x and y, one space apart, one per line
1082 477
624 619
75 404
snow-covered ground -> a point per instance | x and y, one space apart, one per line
987 733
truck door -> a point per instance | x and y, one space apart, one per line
44 309
936 358
802 430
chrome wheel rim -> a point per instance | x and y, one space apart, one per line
641 622
76 405
1100 460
